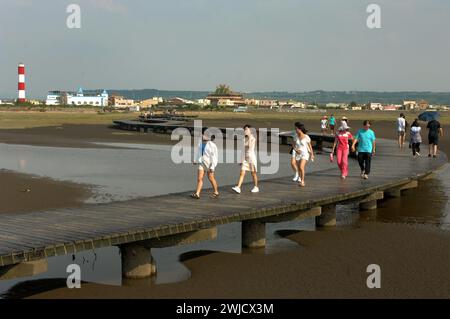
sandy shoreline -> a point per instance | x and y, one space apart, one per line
27 193
414 259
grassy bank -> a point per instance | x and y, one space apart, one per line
30 119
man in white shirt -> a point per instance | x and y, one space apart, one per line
401 129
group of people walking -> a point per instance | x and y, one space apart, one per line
363 143
435 131
208 159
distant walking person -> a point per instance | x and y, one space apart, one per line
343 149
249 161
332 123
323 125
434 132
415 138
401 130
207 161
303 151
366 148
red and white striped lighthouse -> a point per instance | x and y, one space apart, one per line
21 86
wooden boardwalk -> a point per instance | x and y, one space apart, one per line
33 236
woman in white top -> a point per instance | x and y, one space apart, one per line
303 151
401 129
207 161
323 125
249 161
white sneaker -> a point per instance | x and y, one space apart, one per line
236 189
296 177
366 176
255 190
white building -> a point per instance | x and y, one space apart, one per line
410 105
298 105
78 98
53 98
376 106
203 102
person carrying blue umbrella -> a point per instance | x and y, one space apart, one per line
434 131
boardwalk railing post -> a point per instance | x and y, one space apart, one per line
328 216
253 234
137 261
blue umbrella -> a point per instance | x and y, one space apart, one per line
429 116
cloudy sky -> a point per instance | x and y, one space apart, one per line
253 45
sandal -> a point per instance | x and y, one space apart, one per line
302 184
214 195
195 196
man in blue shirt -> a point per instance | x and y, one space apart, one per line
366 148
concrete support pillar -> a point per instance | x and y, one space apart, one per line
369 205
253 234
393 193
328 216
397 191
137 261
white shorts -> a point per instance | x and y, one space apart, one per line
203 167
302 156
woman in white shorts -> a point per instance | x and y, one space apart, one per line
303 151
207 162
249 161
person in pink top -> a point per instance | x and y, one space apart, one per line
343 149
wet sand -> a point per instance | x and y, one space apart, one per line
414 259
25 193
82 136
332 264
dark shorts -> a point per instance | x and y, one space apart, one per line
433 139
332 127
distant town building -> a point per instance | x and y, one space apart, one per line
410 105
77 99
34 102
252 102
54 98
149 102
297 105
120 102
203 102
225 102
375 106
234 98
391 107
268 103
423 105
178 101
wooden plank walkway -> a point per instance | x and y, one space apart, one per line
36 235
